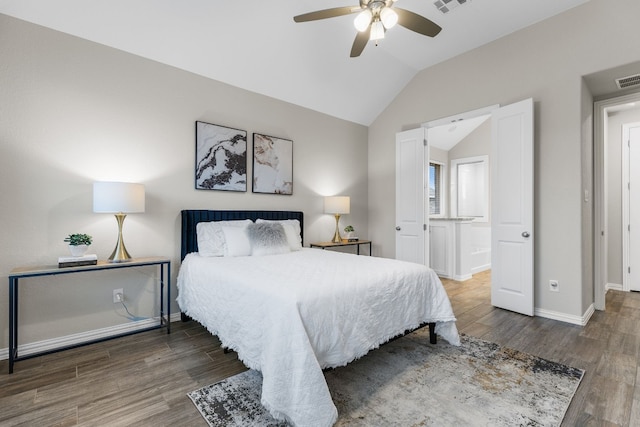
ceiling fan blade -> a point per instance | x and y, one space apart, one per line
327 13
360 42
417 23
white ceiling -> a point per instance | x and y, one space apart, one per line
445 137
257 46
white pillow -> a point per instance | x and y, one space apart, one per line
292 231
210 237
236 241
267 239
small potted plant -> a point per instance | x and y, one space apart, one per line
78 243
351 234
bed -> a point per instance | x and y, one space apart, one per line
292 314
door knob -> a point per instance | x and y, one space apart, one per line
525 234
398 228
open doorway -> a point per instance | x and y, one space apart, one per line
459 194
610 89
612 259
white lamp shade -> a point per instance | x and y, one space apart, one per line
363 20
388 17
116 197
337 205
377 31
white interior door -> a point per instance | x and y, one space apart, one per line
512 208
412 242
631 212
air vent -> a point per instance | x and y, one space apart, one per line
629 81
446 6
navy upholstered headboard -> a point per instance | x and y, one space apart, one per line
190 218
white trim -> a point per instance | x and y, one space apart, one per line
563 317
614 287
74 339
480 268
625 181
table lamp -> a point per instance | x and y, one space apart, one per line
119 198
337 205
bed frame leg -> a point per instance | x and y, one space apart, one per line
184 317
433 338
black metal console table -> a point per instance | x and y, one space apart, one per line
356 243
164 265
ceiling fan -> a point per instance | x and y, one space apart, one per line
375 17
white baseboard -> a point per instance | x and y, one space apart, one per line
74 339
567 318
613 287
461 278
480 268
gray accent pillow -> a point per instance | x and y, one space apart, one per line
267 238
291 230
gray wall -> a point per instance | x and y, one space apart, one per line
587 202
477 143
73 112
439 155
546 62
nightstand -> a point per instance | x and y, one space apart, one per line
357 243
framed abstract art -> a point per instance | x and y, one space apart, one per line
272 165
221 158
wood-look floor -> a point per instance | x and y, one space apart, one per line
142 380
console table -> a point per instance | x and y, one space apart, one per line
16 274
356 243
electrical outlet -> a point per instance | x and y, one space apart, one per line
554 286
118 295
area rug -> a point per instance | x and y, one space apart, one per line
409 382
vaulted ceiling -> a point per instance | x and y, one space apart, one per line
257 46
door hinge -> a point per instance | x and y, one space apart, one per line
629 270
424 227
424 142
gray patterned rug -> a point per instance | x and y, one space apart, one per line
409 382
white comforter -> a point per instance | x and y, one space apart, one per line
291 315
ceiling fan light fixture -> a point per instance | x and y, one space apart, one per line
388 17
377 30
363 20
373 18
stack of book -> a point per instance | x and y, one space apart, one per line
75 261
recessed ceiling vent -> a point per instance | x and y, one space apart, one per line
446 6
629 81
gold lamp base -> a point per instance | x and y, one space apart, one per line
336 237
120 253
